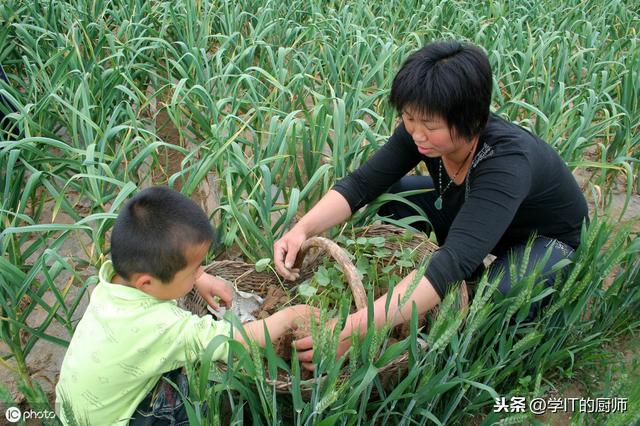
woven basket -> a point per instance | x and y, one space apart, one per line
245 278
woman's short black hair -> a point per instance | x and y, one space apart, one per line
154 230
450 79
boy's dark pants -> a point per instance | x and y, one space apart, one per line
441 221
164 404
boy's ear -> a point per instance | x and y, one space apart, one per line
141 281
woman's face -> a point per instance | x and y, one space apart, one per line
431 134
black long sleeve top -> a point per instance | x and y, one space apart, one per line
517 186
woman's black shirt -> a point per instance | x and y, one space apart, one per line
517 186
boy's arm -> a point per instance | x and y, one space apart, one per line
277 324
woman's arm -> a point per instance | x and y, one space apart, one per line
395 159
423 295
331 210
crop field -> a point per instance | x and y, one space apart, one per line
254 108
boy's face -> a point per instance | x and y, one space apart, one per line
182 281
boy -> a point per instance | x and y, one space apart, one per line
133 331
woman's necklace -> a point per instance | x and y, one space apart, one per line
438 203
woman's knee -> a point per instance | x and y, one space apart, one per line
543 259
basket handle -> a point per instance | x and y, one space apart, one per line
340 256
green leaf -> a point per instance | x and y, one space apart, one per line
404 263
262 264
332 419
377 241
307 290
322 276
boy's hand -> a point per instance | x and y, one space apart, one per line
278 324
302 316
209 287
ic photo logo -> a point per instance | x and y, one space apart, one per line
13 414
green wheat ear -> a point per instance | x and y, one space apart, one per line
69 413
447 323
446 336
475 318
526 341
354 358
515 419
327 401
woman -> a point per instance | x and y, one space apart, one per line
494 186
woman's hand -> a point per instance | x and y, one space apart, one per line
285 251
209 287
304 347
353 324
331 210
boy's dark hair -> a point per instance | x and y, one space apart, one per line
153 231
449 79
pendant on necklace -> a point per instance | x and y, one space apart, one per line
438 202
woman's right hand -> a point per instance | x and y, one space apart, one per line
331 210
285 251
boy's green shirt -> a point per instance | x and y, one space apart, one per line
122 345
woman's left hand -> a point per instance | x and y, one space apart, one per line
210 287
